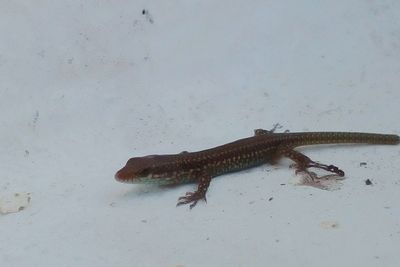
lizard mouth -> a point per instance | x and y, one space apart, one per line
127 176
123 176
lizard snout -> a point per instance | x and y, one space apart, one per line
123 175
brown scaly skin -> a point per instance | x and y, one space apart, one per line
264 147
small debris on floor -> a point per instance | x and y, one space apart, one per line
329 225
149 17
14 203
368 182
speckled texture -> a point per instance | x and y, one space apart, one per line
245 153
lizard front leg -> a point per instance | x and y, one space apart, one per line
192 197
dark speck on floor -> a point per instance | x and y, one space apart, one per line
368 182
35 118
149 17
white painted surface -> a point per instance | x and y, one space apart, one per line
87 84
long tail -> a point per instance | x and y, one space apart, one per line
309 138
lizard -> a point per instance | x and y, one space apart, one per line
264 147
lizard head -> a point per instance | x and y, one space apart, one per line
143 170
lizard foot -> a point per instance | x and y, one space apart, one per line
329 168
191 197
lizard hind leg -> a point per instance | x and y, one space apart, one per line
258 132
302 165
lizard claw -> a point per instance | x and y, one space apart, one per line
186 196
334 169
190 197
